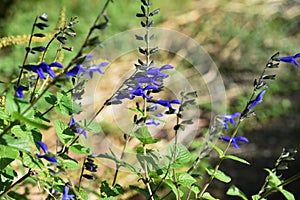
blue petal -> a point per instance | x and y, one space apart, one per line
56 64
166 67
43 146
19 91
72 121
74 71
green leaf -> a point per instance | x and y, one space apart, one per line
144 136
256 197
79 149
16 143
22 133
174 188
274 181
66 105
28 121
63 132
32 162
218 150
221 176
288 195
113 157
235 158
208 196
10 104
92 127
196 189
235 191
182 154
7 155
185 179
111 191
69 163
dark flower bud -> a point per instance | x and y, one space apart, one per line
101 26
144 2
154 50
154 12
137 37
88 176
273 76
44 17
62 39
150 23
41 25
143 9
140 15
39 48
67 48
39 35
28 49
143 24
176 127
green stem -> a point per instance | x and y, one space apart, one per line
220 160
16 183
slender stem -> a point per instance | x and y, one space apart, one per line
84 44
16 183
27 52
147 179
122 155
220 160
286 182
82 170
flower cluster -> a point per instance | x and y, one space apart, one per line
42 68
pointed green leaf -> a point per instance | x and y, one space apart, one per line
68 163
16 143
28 121
7 155
79 149
182 154
235 158
185 179
288 195
274 181
256 197
208 196
174 188
63 132
221 176
144 136
32 162
235 191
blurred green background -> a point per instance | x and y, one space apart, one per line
240 36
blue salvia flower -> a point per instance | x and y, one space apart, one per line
75 127
80 69
45 155
19 91
66 195
235 140
168 103
74 71
257 100
229 118
141 91
291 59
153 75
95 68
152 121
43 67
